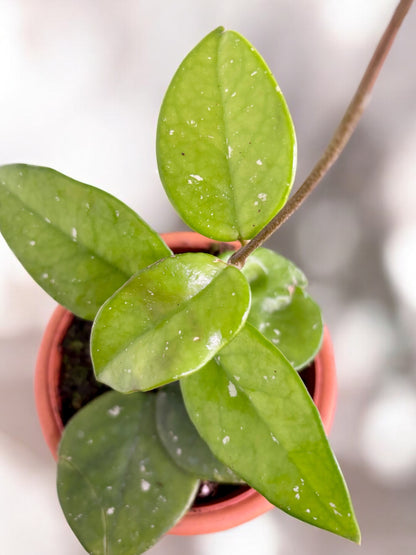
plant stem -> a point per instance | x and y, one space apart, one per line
339 140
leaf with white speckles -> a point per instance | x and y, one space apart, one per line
225 139
168 321
78 242
270 433
119 489
182 441
281 309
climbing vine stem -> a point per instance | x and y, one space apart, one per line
339 139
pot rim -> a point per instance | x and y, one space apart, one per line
204 519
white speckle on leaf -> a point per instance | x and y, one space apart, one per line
196 177
225 440
196 338
296 488
127 370
57 199
214 341
259 162
179 451
110 510
45 276
47 220
297 496
237 378
230 151
74 233
171 131
109 488
254 73
117 213
144 484
275 439
32 243
262 197
232 390
114 411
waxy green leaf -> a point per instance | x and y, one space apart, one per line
225 139
168 321
182 441
254 412
280 309
118 487
79 243
296 329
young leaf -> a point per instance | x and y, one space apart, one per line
182 441
225 137
254 412
79 243
281 310
119 489
272 277
168 321
296 329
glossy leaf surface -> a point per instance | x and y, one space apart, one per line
280 309
226 145
79 243
182 441
167 321
119 489
254 412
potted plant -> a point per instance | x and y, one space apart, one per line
198 346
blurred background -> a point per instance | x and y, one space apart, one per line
81 86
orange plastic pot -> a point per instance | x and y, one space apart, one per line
204 519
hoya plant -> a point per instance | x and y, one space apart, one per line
201 352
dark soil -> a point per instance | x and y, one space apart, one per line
78 387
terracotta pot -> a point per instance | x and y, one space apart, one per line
203 519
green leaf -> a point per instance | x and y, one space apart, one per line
272 277
257 417
119 489
168 321
281 310
296 329
79 243
182 441
225 139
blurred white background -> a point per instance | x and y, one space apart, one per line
81 85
